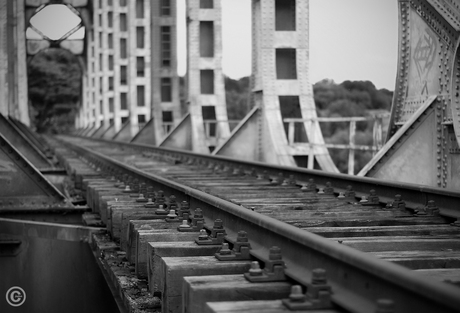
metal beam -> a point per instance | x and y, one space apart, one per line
424 116
24 188
28 148
47 230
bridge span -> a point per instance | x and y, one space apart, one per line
152 208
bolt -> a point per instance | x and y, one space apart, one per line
184 205
218 224
363 200
275 253
184 224
296 294
141 198
373 198
341 195
149 203
242 236
319 277
224 250
203 235
255 269
198 213
172 214
329 189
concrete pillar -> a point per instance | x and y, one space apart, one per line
281 82
13 66
165 80
205 82
139 47
118 42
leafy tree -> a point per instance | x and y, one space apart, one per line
350 98
54 78
237 97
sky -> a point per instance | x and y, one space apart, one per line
349 39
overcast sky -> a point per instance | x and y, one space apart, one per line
349 39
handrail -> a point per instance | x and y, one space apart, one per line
351 147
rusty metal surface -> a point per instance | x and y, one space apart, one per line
356 278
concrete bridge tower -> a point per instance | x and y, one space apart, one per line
206 125
13 71
281 89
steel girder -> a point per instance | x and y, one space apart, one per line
424 134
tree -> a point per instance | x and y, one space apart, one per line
350 98
54 78
237 97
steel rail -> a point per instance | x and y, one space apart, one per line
414 195
358 279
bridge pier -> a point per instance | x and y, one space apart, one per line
206 126
13 68
281 89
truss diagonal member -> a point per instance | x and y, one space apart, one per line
40 33
23 187
27 147
71 32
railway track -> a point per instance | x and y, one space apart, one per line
155 262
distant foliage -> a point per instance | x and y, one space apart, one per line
350 98
237 97
54 78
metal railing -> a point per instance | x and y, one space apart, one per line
210 127
351 147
